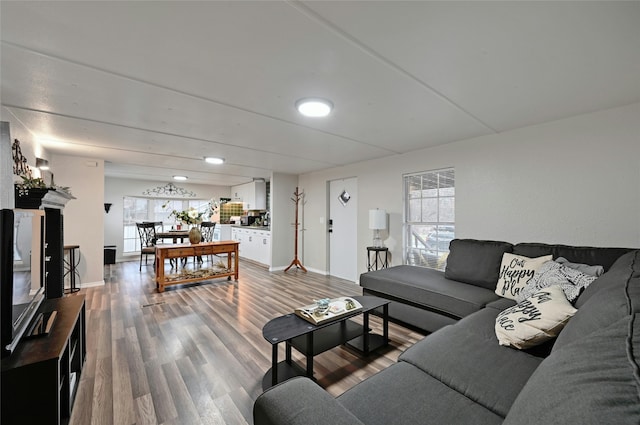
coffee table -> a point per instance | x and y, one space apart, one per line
311 340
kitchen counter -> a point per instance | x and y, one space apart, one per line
266 228
255 242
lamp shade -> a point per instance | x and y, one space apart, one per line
377 219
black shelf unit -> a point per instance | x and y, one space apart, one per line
54 239
40 379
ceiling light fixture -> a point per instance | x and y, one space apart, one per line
314 107
179 178
213 160
42 164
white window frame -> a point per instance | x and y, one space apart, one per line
429 217
152 212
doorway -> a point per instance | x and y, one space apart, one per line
343 237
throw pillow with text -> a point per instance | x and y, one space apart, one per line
515 273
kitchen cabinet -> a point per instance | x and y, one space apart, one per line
222 232
255 244
253 195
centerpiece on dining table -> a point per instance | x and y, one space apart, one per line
191 217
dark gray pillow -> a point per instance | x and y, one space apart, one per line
476 262
590 381
576 254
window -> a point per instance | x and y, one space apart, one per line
137 210
429 221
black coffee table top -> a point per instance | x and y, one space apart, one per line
290 326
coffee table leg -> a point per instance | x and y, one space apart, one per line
274 364
288 352
365 336
385 324
310 354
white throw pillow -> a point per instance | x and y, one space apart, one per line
515 273
534 320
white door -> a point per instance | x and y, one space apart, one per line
343 207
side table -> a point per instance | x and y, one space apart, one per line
377 258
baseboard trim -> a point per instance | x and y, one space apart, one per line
92 284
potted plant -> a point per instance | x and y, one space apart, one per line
30 191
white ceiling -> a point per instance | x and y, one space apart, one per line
153 87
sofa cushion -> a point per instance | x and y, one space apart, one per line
551 273
428 288
476 262
591 381
298 398
577 254
609 298
501 304
535 319
466 357
516 271
402 394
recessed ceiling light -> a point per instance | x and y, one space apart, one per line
314 107
214 160
179 178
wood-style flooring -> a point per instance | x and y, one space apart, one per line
195 353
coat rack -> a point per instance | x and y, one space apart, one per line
296 262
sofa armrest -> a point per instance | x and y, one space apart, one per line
300 401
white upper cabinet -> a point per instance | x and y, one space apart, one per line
253 195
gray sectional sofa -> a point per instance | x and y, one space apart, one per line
429 299
589 374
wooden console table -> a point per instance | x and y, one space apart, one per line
204 248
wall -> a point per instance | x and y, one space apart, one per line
573 181
7 198
83 216
12 129
116 189
282 213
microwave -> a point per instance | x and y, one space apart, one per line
247 220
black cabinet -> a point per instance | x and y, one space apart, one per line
40 379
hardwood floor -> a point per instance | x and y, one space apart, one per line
195 353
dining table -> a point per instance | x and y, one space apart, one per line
174 235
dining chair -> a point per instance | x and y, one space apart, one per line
206 229
148 239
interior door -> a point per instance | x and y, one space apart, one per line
343 205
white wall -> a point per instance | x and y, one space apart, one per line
116 189
282 216
7 198
574 181
83 216
30 148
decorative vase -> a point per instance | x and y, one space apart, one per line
195 237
